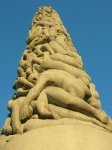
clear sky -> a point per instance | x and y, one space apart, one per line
89 22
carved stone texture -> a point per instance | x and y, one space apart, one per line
52 83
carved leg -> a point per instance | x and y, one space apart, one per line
67 60
60 112
57 48
62 43
59 96
62 98
42 105
7 129
52 64
16 123
46 47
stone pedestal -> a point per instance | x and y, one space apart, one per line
80 136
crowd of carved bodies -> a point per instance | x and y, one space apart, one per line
52 82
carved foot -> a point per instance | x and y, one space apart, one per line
6 130
109 125
55 115
100 115
26 111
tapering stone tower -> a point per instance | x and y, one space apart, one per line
56 106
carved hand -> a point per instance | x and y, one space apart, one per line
25 112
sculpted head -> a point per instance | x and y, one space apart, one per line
9 105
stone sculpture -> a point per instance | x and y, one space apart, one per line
52 83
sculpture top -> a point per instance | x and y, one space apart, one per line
52 83
47 17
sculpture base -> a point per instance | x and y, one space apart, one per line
81 135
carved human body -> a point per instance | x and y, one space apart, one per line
75 87
54 102
51 78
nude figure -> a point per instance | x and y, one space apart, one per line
36 31
7 128
59 97
70 85
52 64
53 102
66 59
59 112
22 86
62 40
59 103
59 49
13 124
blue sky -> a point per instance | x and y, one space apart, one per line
89 22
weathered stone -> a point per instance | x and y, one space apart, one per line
68 135
55 98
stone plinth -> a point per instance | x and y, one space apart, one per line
77 136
